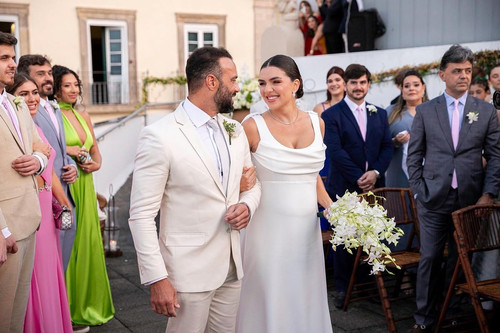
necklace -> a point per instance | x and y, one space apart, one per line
282 122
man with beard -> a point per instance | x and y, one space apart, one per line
49 119
189 165
359 145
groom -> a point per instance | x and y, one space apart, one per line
189 165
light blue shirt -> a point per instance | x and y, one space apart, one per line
450 104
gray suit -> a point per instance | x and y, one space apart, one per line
431 141
42 119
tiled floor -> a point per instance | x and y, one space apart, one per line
134 314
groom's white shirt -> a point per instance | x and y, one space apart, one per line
176 174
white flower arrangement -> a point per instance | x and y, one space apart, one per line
249 92
18 101
472 116
54 104
357 223
371 108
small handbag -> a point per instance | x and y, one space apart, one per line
62 215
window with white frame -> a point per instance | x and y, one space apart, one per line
199 35
108 59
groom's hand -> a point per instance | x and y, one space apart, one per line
237 216
164 298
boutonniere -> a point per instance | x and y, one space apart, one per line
472 116
229 127
54 104
18 100
371 108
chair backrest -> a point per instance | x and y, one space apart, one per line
478 227
401 205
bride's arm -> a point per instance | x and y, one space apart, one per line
323 198
252 134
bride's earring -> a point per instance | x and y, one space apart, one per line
293 94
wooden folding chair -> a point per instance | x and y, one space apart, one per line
477 229
400 204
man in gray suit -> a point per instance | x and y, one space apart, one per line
449 137
49 119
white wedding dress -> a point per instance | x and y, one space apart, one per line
284 286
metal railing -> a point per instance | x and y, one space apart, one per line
106 92
121 122
118 143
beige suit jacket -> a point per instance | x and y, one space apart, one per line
175 174
19 205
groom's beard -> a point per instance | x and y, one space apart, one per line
224 99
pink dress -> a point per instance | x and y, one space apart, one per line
48 309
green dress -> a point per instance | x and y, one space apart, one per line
87 284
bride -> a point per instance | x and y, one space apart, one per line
284 287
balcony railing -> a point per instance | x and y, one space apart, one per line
106 92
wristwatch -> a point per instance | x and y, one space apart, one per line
377 173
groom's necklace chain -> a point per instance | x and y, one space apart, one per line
282 122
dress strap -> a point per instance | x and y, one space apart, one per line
323 105
264 132
315 122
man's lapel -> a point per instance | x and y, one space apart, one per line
11 127
189 131
43 113
370 120
470 105
348 114
444 121
230 149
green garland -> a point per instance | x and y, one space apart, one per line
483 59
151 80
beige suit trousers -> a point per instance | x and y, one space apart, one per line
15 285
210 311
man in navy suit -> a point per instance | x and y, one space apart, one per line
360 149
451 133
49 119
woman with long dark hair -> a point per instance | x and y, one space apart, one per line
47 309
89 293
335 91
284 288
400 117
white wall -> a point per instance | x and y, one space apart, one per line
118 152
314 69
53 30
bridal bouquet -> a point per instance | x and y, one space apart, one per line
356 222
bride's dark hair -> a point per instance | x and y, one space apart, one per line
287 65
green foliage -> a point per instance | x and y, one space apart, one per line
484 59
151 80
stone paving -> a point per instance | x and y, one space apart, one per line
134 314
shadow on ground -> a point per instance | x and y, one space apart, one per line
134 314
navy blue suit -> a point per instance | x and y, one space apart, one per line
348 154
348 151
